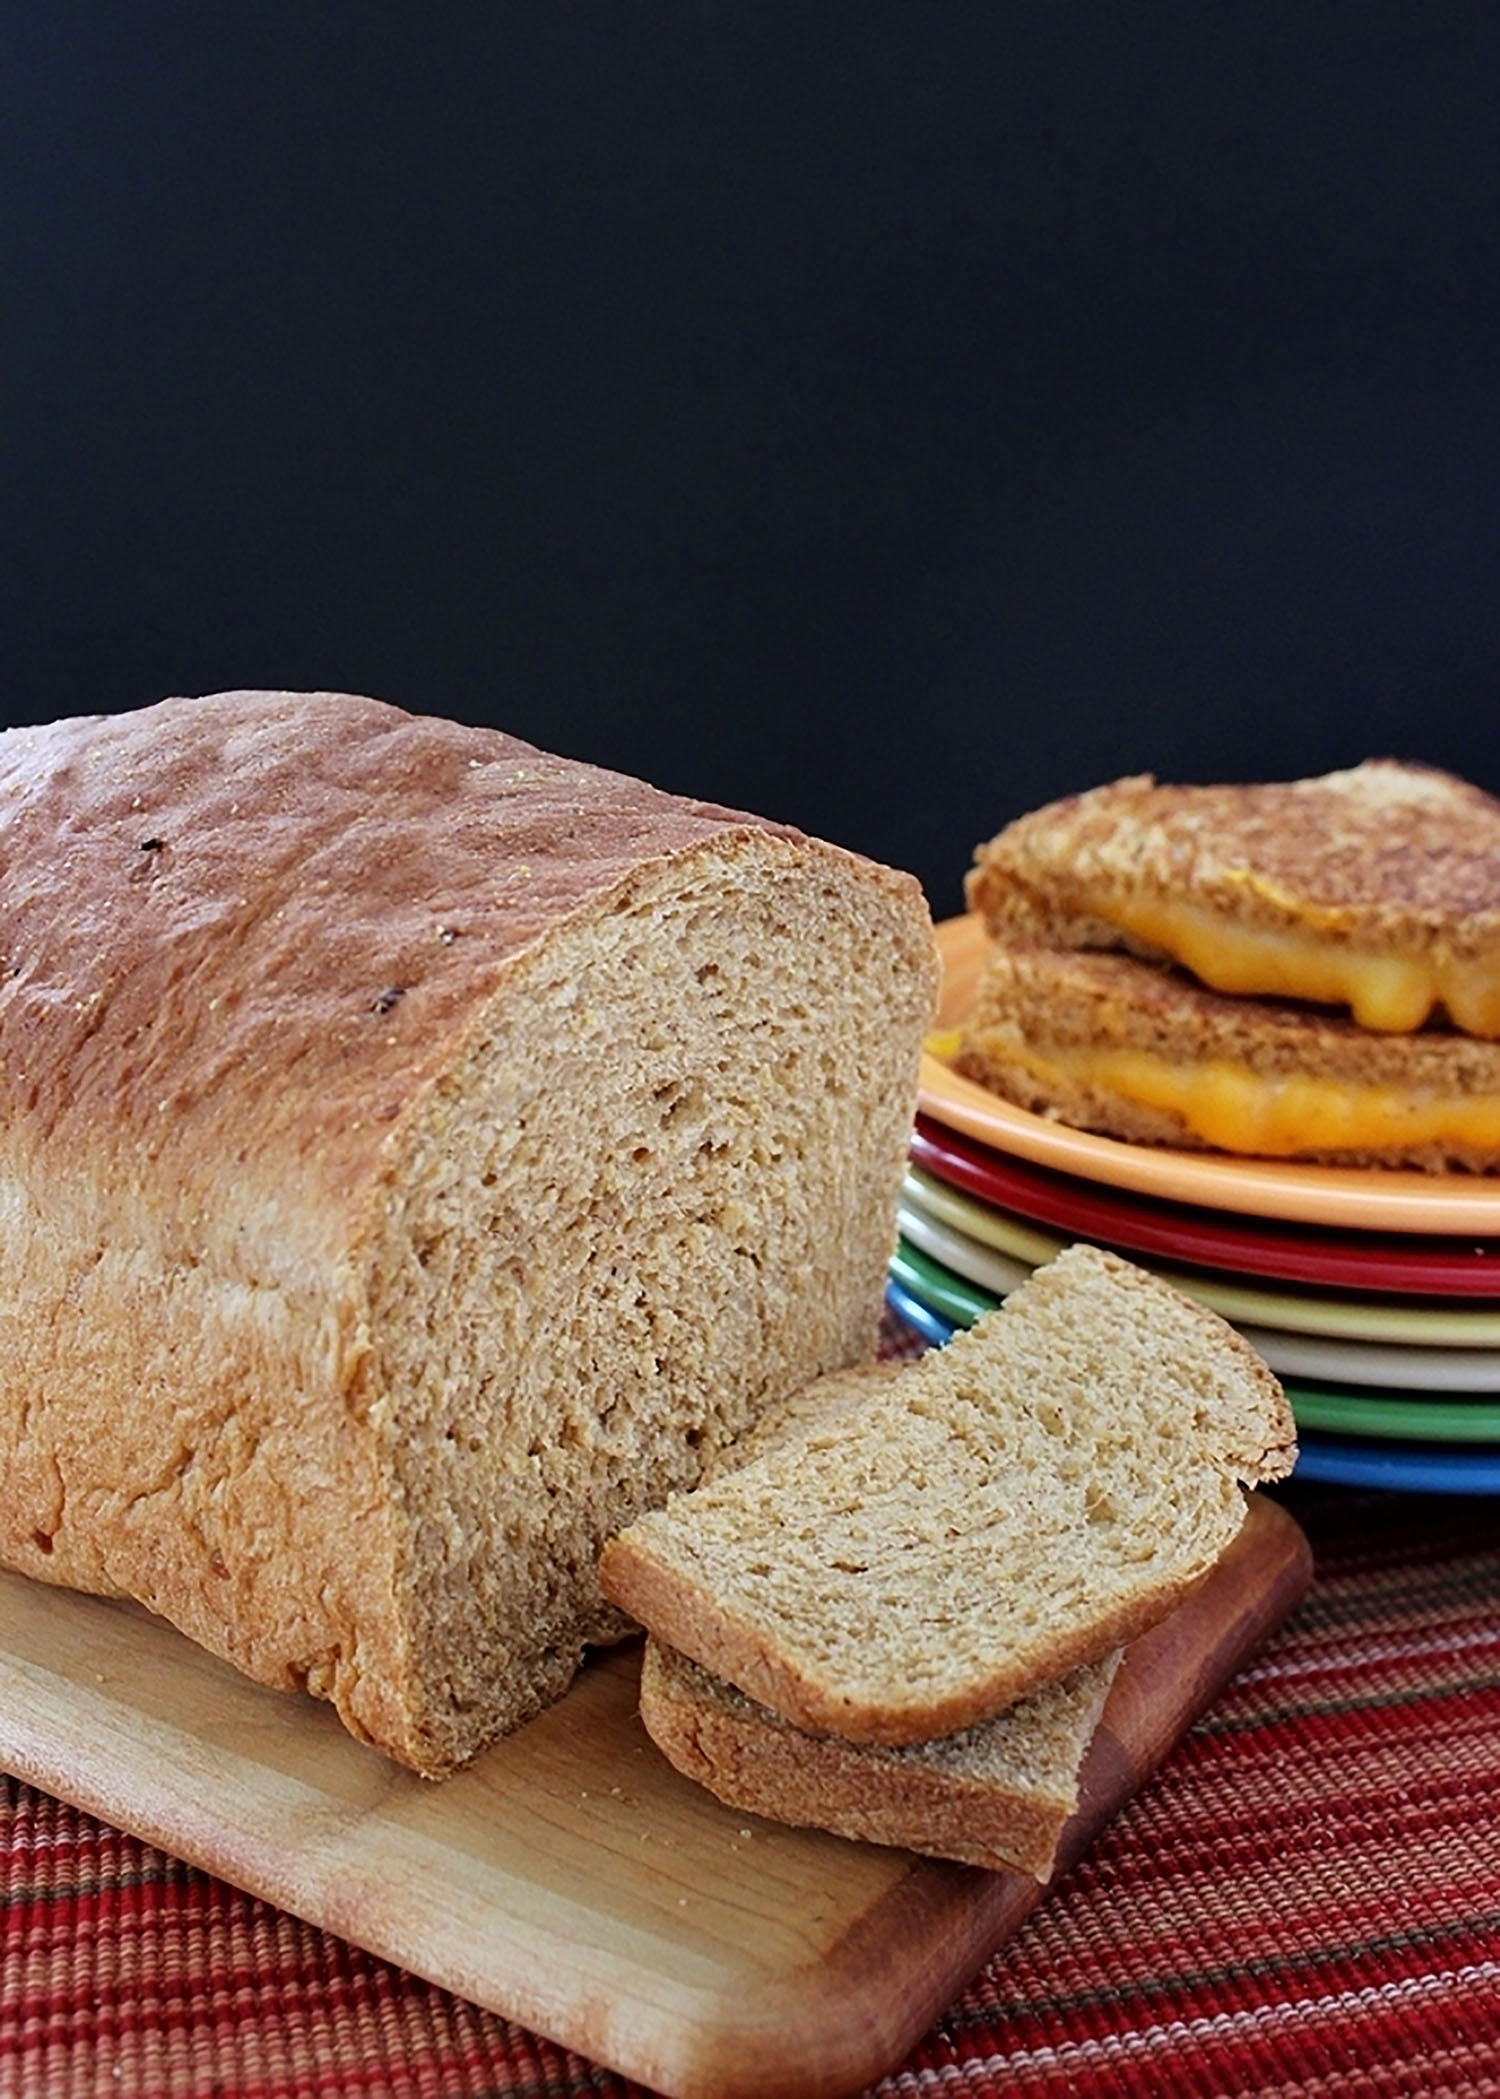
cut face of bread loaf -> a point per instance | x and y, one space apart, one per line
420 1153
816 1406
1011 1506
997 1795
1374 888
1140 1052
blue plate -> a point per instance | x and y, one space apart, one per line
1409 1468
915 1313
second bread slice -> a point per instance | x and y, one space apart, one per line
997 1795
1011 1506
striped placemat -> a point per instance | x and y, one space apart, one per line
1305 1901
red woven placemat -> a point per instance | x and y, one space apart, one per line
1305 1900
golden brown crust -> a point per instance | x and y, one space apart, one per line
1396 858
260 885
1035 1003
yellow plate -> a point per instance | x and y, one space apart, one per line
1364 1198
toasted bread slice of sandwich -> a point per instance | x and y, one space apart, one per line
1376 889
1133 1050
1009 1507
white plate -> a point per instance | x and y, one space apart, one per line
1373 1363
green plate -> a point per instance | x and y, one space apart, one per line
1399 1417
938 1287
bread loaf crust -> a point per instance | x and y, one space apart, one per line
258 951
208 898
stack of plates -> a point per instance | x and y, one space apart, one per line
1374 1295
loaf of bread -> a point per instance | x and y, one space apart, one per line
420 1154
1011 1506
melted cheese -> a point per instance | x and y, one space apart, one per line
1234 1109
1393 993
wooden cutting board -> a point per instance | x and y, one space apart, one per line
570 1878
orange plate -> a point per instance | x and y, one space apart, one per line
1367 1198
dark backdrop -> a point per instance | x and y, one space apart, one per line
886 416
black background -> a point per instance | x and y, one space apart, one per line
883 416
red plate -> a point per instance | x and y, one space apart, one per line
1425 1266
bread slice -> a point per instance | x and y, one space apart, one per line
418 1153
1376 888
997 1795
1137 1051
1011 1506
